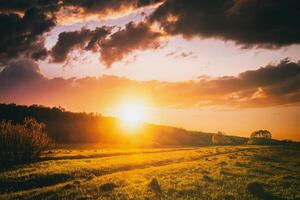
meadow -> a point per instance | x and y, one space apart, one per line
208 172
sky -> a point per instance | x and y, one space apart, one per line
222 65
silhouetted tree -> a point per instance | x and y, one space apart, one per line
261 134
263 137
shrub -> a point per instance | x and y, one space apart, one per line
21 143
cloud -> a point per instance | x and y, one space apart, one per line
133 37
20 71
78 10
23 24
260 23
272 85
21 36
113 48
82 39
249 23
19 76
181 54
23 5
108 6
16 5
88 6
22 82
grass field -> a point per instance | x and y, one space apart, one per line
223 172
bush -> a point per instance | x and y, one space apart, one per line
21 143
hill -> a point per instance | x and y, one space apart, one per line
69 127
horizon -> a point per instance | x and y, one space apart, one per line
136 126
209 66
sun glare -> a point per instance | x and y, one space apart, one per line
132 114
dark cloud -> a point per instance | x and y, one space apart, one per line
262 23
82 39
19 74
113 48
109 5
97 36
270 75
132 37
22 82
23 24
272 85
87 5
22 35
17 5
79 10
23 5
21 70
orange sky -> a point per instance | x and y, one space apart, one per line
190 73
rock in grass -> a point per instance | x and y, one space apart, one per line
256 189
76 183
154 186
207 178
228 197
107 187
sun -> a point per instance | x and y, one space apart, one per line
132 114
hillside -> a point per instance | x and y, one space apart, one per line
69 127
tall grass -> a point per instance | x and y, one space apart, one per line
21 143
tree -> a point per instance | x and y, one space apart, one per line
265 134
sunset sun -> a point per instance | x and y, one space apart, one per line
132 114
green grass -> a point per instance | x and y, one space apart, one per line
224 172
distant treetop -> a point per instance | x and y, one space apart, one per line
261 134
